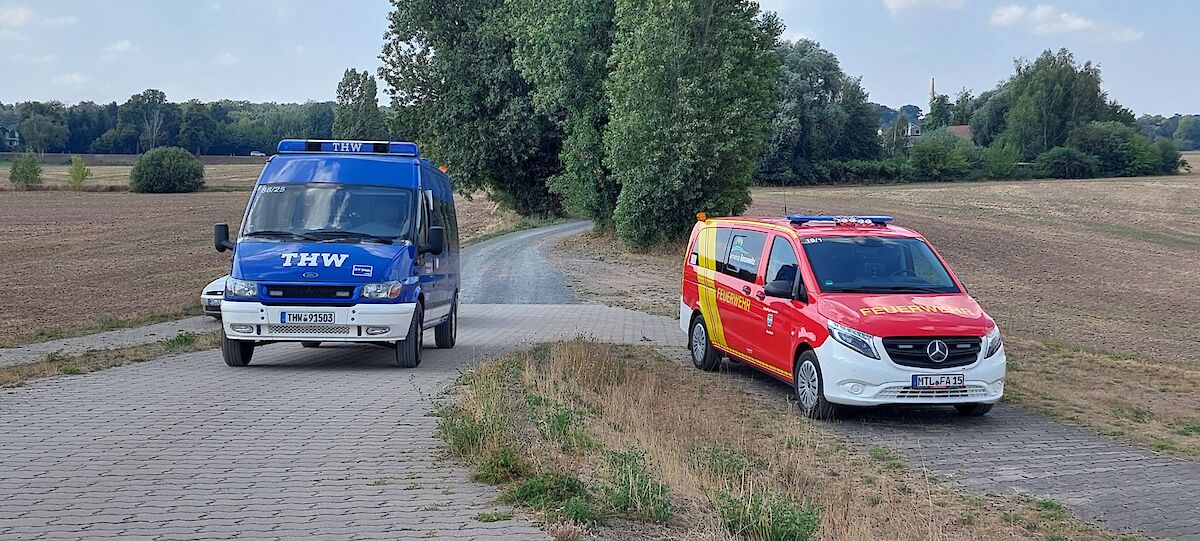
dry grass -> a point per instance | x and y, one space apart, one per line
117 176
1091 281
80 262
91 361
702 437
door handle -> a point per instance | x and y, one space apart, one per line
746 290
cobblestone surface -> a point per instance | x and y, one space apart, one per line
330 442
106 340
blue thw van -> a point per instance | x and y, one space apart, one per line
343 241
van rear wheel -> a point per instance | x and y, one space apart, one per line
236 352
704 356
408 351
810 387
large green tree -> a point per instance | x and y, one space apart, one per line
561 48
821 114
42 133
1049 97
199 129
454 85
357 115
941 113
692 85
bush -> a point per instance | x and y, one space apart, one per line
167 170
1066 162
940 155
1000 161
1170 159
78 173
26 171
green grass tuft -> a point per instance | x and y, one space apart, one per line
182 340
1050 509
766 518
633 490
559 495
495 516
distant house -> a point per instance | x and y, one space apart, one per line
962 132
9 137
913 130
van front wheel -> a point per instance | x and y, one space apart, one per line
810 389
236 352
408 351
447 333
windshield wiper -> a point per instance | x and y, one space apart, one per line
325 235
906 289
278 234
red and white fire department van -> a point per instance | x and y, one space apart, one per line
850 310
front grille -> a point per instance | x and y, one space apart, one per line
909 393
310 329
910 350
310 292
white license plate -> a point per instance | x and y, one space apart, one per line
939 381
306 317
212 302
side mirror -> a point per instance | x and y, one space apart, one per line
437 240
221 238
779 288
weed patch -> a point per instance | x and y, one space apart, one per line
766 517
632 490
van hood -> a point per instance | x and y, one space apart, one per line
907 314
267 260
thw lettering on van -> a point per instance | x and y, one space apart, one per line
347 147
312 259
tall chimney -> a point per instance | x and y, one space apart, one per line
932 89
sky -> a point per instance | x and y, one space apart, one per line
296 50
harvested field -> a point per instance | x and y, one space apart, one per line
117 176
81 261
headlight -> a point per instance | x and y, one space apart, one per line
993 342
857 340
382 290
240 289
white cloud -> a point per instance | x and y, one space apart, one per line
122 46
73 78
300 49
896 6
1046 19
60 22
14 16
12 35
43 59
1007 15
215 6
226 60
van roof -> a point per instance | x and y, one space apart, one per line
815 228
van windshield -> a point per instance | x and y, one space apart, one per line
331 211
864 264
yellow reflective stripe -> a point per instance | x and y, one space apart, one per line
706 278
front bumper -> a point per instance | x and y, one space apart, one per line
211 305
259 322
855 380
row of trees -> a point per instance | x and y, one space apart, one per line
633 113
1182 130
147 120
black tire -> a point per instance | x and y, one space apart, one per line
704 356
408 352
446 334
809 386
236 352
310 344
973 410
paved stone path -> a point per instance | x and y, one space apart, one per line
107 340
332 442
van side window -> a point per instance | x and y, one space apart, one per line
745 250
719 251
782 264
443 215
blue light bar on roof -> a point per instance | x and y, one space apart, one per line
350 147
800 219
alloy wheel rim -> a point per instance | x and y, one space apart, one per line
698 343
807 385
